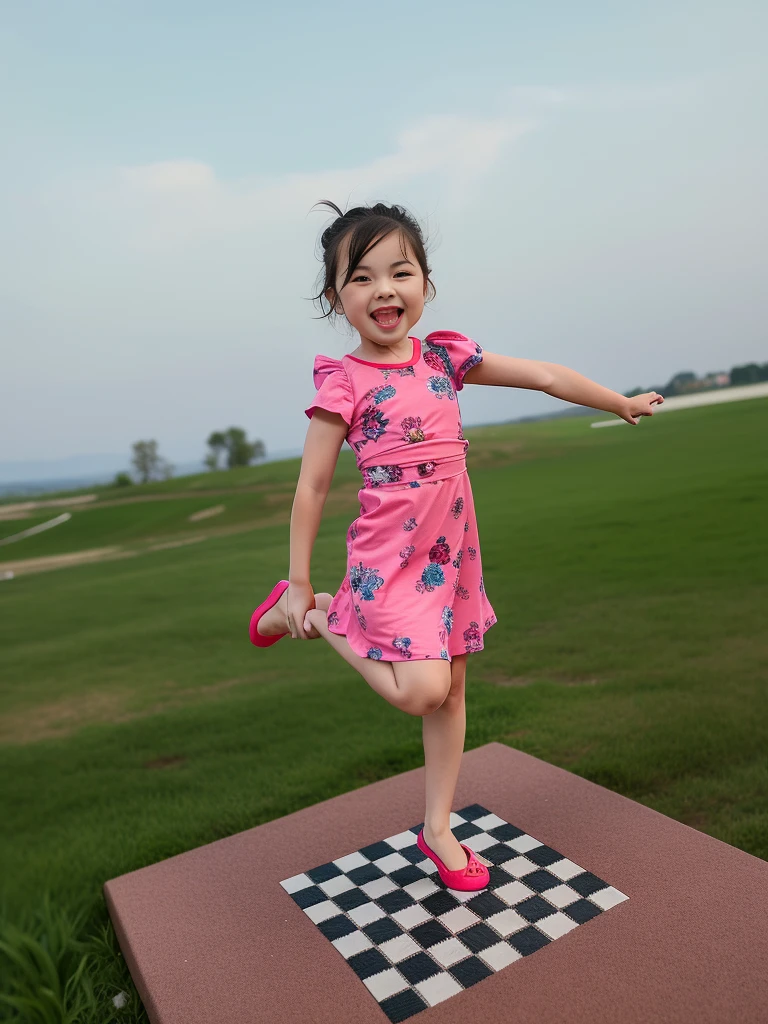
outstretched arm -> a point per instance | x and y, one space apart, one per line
560 382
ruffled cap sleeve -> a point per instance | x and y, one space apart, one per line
456 352
334 391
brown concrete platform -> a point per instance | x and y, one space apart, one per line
211 937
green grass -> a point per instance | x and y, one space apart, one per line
628 571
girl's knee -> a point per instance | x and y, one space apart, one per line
316 620
424 686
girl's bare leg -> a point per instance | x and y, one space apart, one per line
378 674
417 687
443 734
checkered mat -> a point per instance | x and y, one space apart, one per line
413 942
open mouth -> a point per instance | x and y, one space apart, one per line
388 316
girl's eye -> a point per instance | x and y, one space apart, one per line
363 276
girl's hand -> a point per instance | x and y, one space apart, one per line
301 597
640 405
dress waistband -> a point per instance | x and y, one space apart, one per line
397 474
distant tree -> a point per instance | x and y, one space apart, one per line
148 464
217 442
240 451
680 383
146 460
749 373
234 445
122 480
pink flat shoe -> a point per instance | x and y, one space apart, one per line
474 876
255 635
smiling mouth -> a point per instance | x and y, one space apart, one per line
387 316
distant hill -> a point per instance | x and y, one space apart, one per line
74 472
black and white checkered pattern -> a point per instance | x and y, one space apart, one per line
413 942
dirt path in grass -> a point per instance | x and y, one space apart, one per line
342 499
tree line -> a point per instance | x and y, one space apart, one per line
227 449
686 382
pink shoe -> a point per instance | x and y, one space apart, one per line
274 597
474 876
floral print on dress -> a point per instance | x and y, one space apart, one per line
447 618
441 387
433 360
402 643
472 552
437 357
411 427
456 507
461 592
406 371
383 394
365 580
361 618
374 476
333 619
473 638
456 563
466 525
426 468
440 552
373 423
410 524
433 576
482 585
444 655
374 653
405 554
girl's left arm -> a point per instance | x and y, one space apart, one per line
560 382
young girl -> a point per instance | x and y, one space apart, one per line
412 605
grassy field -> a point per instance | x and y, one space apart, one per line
628 571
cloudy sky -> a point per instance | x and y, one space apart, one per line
591 177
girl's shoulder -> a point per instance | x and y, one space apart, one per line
455 353
325 367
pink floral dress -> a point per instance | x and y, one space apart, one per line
414 582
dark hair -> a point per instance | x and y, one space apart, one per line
365 225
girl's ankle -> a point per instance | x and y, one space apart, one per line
438 831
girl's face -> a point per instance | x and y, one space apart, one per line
385 295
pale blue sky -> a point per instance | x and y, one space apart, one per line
592 176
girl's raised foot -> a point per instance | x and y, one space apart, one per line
275 620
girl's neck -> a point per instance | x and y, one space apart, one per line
370 352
